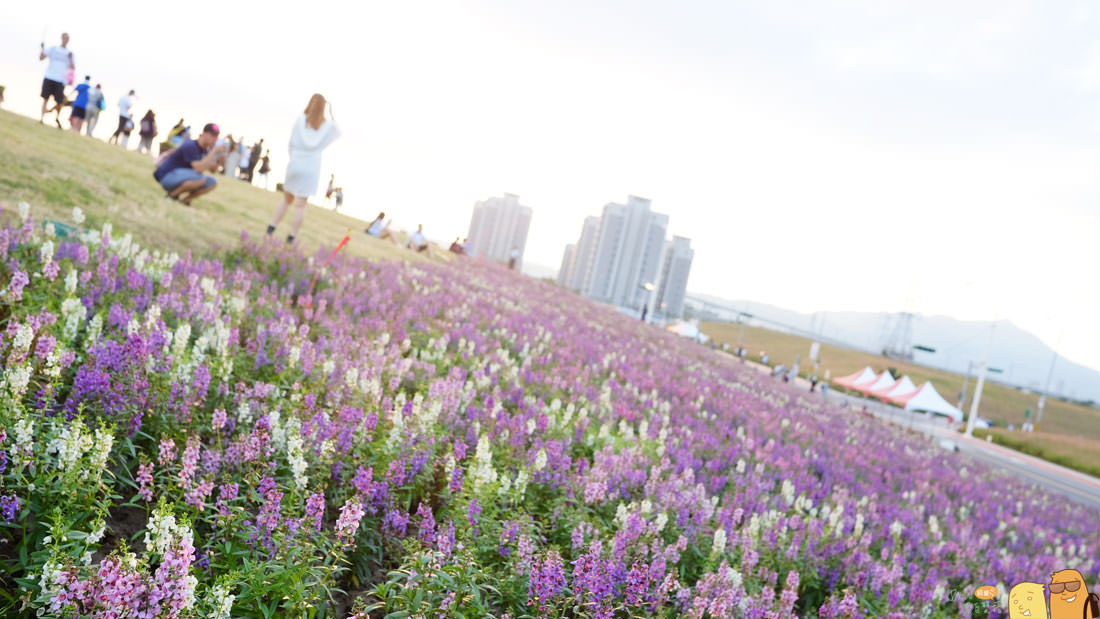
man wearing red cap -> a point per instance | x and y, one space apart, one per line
182 172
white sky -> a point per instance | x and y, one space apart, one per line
943 152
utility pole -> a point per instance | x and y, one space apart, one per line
966 382
981 383
741 331
1046 389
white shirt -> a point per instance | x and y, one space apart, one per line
124 105
375 228
416 239
58 69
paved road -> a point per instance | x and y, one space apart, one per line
1076 486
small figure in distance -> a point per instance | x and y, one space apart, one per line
265 166
80 104
57 71
182 171
96 104
254 158
457 247
380 230
242 166
339 195
125 122
232 156
331 186
418 242
312 133
147 132
513 258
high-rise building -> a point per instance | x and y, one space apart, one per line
568 258
675 269
586 253
497 225
576 263
618 253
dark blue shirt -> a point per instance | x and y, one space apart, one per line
81 96
180 158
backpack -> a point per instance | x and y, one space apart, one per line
102 103
1092 602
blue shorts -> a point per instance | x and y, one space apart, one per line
179 176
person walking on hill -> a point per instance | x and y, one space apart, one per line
125 122
242 165
311 134
61 65
232 157
147 132
182 170
254 159
265 166
80 104
96 103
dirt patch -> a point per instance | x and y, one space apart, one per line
123 522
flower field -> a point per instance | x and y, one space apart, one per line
186 436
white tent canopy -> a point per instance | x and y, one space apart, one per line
865 378
928 399
902 387
856 379
883 381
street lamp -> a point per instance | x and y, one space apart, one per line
982 369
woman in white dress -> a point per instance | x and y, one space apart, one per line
232 158
309 138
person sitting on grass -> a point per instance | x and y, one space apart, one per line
418 242
182 170
380 229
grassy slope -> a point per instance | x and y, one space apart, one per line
55 170
1070 432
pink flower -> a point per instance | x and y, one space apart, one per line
348 522
145 478
167 451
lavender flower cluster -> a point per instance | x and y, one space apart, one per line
179 432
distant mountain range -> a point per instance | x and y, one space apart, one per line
1024 358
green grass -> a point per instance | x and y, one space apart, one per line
1052 448
1070 433
55 170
